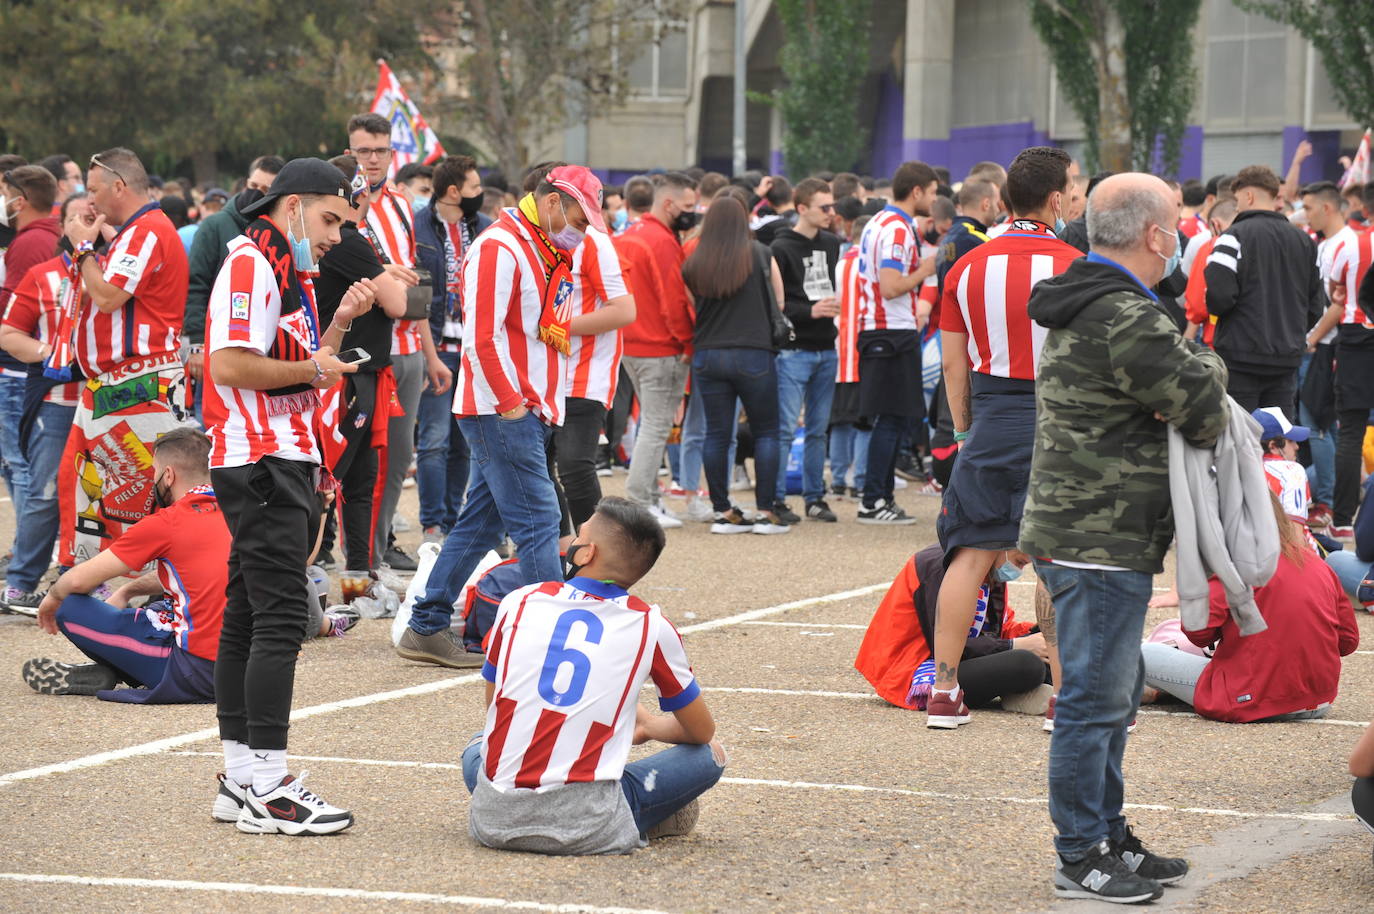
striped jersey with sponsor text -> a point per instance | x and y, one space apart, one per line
847 322
887 242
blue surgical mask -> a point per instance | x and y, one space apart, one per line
1007 571
620 220
1171 262
421 202
566 238
302 256
1059 225
79 188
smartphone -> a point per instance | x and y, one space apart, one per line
354 356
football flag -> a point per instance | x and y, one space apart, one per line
412 139
1358 173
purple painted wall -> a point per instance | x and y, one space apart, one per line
994 142
888 148
1322 164
1189 155
775 162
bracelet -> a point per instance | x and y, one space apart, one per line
319 372
342 327
961 436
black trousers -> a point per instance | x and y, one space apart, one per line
268 507
575 444
1349 459
356 472
1004 673
1252 390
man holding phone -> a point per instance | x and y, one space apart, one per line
353 454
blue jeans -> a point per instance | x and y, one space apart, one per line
848 448
694 437
881 467
512 493
677 775
121 638
1350 570
809 377
38 522
1321 475
1101 618
442 461
722 375
16 467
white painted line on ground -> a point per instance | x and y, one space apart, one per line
250 888
862 696
172 742
1191 715
862 628
753 614
865 788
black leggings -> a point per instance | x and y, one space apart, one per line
356 472
1349 458
1004 673
1362 800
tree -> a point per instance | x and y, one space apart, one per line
529 68
1126 67
824 58
1342 31
195 79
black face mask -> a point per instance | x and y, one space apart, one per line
471 205
931 236
570 568
162 497
686 221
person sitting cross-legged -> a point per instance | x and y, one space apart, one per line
167 649
564 665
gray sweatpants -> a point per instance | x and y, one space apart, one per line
400 443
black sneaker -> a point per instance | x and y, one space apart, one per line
1164 870
23 602
909 468
732 521
885 513
839 491
327 561
52 677
819 510
398 560
785 515
1103 875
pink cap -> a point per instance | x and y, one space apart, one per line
583 186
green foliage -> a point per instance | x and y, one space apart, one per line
1160 77
195 79
824 58
1342 31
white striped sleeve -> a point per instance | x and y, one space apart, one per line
1225 252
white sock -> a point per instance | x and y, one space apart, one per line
269 769
238 762
952 693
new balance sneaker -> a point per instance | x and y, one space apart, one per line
886 513
785 514
1104 876
22 602
945 712
679 823
53 677
699 510
819 510
1164 870
228 801
290 809
666 519
767 523
732 521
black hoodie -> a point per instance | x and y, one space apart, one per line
805 263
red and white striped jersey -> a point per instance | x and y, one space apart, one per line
594 361
568 660
986 292
929 289
35 309
244 311
147 260
1191 225
390 227
888 241
504 362
847 321
1350 260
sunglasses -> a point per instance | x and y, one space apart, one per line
96 163
826 208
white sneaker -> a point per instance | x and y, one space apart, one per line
228 801
699 510
290 809
740 481
666 519
765 525
899 483
400 524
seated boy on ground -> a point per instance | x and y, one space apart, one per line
565 662
167 649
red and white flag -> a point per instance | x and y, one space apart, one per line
1358 173
412 139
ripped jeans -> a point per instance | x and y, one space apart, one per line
656 786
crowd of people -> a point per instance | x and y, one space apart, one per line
1053 355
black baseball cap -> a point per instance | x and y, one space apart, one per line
302 176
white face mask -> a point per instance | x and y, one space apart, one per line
5 211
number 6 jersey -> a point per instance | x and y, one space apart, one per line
568 660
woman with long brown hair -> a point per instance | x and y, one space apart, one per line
732 278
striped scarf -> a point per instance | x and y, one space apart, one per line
58 366
924 678
558 285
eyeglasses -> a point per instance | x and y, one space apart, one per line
376 152
96 163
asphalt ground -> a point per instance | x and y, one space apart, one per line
833 801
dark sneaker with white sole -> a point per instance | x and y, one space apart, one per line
22 602
53 677
228 801
1104 876
885 513
290 809
819 510
443 648
1164 870
785 515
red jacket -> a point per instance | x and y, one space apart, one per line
663 321
32 244
1294 664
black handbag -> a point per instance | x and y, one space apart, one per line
780 325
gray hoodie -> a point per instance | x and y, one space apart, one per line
1223 521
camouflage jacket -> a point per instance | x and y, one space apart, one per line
1099 482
